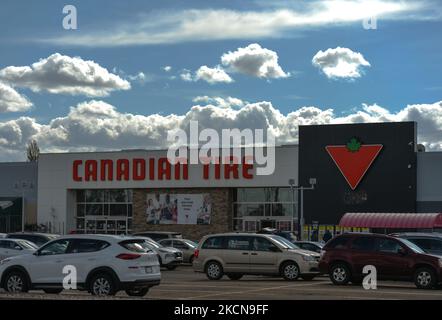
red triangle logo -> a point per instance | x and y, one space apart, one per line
353 163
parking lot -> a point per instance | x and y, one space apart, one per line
184 284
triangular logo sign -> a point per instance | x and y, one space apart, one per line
354 159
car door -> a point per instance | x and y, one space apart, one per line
362 254
84 255
264 256
393 260
47 266
237 254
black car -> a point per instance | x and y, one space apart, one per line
38 238
429 242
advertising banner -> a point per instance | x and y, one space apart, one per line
168 208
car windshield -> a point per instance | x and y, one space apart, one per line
153 244
412 246
191 244
283 242
27 245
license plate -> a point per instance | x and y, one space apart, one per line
148 269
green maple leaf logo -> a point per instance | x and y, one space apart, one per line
354 145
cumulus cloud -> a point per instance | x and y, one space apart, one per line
160 27
205 73
340 63
167 68
97 125
62 74
255 61
227 102
12 101
212 75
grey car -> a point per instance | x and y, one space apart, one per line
429 242
186 246
15 247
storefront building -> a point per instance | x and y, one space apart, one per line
130 191
357 168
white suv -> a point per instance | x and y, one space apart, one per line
104 265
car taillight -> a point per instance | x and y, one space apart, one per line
128 256
196 253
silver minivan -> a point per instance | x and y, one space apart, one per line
237 254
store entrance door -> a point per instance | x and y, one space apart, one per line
104 225
255 224
268 224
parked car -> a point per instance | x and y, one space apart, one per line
2 235
237 254
310 245
429 242
285 234
105 264
345 256
159 235
38 238
187 247
15 247
168 257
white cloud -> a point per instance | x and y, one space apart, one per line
340 63
61 74
212 75
167 68
96 125
220 24
12 101
255 61
227 102
186 75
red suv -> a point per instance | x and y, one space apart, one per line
345 256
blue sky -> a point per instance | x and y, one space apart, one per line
403 53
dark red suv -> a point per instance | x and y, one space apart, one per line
345 256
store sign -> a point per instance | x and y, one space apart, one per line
170 208
354 159
140 169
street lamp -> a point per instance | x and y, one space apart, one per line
23 186
294 187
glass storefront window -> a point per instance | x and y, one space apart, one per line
94 196
104 211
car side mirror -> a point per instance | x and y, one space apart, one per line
402 251
274 249
36 253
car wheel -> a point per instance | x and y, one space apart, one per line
234 276
171 267
16 282
290 271
424 278
339 274
137 292
102 284
308 277
214 270
53 290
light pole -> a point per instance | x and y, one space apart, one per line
22 186
294 187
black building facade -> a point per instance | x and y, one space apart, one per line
358 168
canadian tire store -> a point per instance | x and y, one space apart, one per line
129 191
357 168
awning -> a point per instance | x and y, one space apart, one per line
392 220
